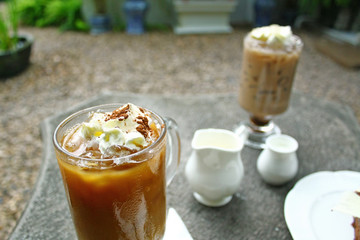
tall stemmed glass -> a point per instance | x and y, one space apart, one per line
269 63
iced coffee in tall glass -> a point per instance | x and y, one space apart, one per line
270 58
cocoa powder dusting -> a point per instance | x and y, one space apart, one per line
120 114
143 127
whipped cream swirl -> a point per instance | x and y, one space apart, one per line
273 35
127 127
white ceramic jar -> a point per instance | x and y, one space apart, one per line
214 169
278 163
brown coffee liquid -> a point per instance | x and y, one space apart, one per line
126 201
266 79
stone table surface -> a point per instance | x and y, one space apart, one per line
329 140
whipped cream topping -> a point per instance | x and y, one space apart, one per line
273 35
126 127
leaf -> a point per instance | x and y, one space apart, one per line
41 13
9 26
343 3
81 25
4 34
13 18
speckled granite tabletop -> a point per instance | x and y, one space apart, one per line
68 68
255 202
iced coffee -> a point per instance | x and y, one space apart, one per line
270 57
113 168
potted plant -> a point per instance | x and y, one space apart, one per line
15 48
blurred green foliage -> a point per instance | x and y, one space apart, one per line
9 22
63 13
312 7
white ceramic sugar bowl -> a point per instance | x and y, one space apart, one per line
214 169
278 163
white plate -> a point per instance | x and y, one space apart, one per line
308 206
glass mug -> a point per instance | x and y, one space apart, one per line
123 197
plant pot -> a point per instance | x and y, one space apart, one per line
15 61
135 12
264 10
100 24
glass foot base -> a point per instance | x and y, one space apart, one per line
257 135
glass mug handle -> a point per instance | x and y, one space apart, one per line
173 149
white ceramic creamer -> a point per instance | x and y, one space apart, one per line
214 169
277 163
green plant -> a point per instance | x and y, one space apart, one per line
63 13
311 7
9 22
